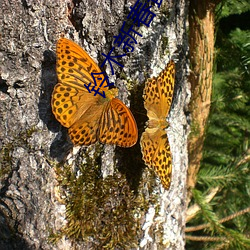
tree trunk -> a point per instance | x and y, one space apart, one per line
201 40
54 195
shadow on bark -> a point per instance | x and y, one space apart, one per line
61 145
9 239
131 163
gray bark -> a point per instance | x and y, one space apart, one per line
34 146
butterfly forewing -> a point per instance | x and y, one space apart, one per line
158 92
74 65
63 105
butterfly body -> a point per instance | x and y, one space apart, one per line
157 123
158 93
89 117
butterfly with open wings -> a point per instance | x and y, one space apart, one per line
158 94
88 117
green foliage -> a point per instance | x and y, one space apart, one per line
230 7
226 153
207 211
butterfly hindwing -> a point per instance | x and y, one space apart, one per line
118 125
85 130
156 154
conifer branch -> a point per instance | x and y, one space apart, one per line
230 217
205 238
194 209
245 159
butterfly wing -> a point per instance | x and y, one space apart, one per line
85 130
158 93
156 154
70 98
74 65
117 125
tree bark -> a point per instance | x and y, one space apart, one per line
43 178
201 40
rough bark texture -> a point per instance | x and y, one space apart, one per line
32 142
201 40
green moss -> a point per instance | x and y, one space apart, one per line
19 140
164 9
123 76
195 129
5 160
105 212
164 45
131 84
28 133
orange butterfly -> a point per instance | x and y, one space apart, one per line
89 118
158 93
